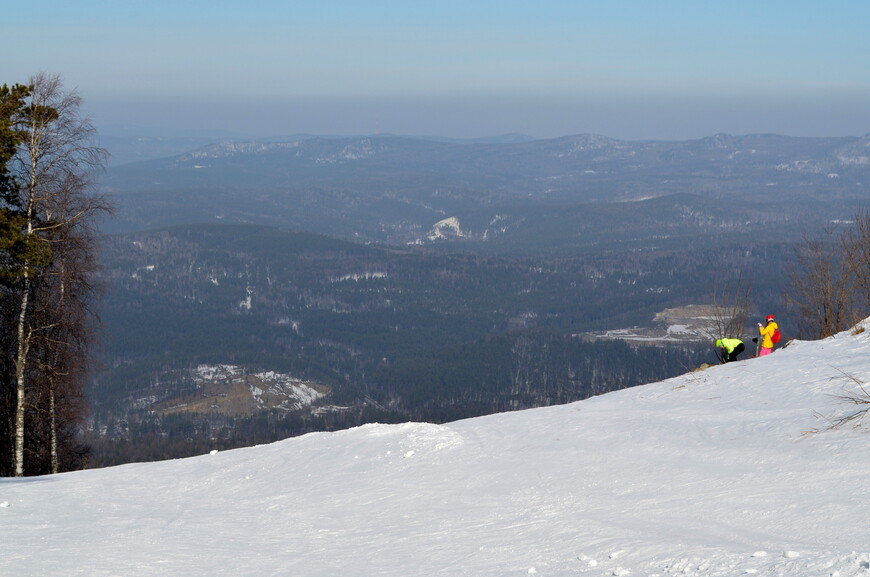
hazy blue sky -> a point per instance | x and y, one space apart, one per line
669 69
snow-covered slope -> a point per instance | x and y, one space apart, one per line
729 471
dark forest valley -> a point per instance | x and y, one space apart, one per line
262 290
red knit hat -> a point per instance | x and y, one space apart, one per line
769 318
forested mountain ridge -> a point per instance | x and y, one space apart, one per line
394 189
391 333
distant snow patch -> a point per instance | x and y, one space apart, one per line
448 228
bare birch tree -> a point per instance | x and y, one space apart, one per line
50 219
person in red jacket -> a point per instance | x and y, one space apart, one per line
766 331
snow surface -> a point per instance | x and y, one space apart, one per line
729 471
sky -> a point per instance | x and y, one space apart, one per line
671 69
730 471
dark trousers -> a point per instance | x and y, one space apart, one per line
732 356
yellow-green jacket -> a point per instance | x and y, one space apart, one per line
728 344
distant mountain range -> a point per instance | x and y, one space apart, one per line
129 149
401 190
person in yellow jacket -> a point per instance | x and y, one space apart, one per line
766 331
730 349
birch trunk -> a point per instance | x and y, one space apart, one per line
24 337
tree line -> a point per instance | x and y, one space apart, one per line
48 214
830 278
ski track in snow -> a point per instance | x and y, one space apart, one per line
725 472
